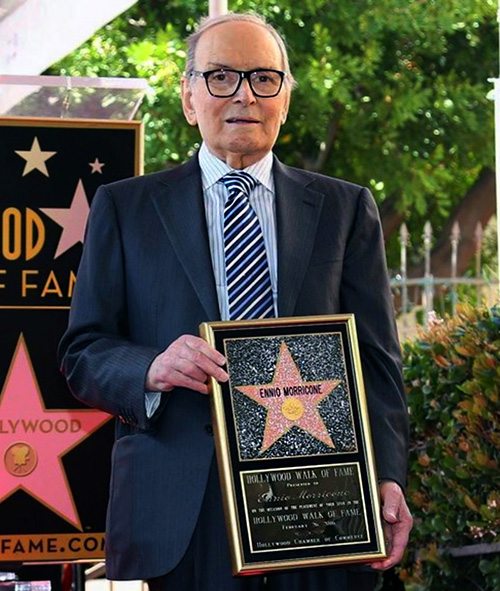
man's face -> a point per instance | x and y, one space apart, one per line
242 128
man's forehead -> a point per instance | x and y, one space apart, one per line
231 41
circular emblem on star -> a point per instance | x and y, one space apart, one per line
292 409
20 459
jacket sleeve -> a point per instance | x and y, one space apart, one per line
103 368
365 291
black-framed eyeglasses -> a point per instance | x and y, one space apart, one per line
223 82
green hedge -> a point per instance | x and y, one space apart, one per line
452 373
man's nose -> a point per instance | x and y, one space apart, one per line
245 93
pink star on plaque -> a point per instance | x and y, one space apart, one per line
34 439
291 402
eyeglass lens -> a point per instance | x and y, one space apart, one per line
225 82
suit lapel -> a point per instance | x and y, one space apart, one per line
179 203
298 210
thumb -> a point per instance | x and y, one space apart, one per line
391 503
390 513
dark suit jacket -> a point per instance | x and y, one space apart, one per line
146 278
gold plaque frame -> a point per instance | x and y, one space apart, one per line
293 444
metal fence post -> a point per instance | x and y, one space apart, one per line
454 239
428 279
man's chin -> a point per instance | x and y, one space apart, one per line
240 156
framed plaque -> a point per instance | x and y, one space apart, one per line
293 444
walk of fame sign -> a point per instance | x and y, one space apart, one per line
293 444
54 451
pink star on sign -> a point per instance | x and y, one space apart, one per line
73 220
291 402
33 439
96 166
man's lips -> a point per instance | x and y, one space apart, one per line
242 120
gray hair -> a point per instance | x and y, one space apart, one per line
209 22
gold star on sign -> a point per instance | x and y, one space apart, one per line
35 158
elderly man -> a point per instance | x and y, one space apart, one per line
156 264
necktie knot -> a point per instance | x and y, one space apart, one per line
239 182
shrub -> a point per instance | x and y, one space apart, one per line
452 373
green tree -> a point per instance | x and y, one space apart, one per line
391 94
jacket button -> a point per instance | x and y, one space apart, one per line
209 429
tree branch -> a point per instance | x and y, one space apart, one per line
326 146
478 205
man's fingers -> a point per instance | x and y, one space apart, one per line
187 362
398 539
204 357
184 381
198 344
398 523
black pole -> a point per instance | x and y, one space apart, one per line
78 577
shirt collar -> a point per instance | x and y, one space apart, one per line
213 168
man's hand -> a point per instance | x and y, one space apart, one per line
188 362
397 523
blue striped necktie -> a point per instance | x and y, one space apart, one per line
247 270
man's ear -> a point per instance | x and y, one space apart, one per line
187 102
284 112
